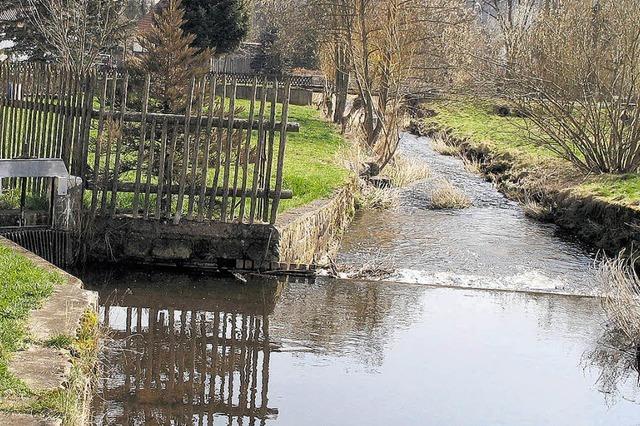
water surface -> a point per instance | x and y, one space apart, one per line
196 350
490 245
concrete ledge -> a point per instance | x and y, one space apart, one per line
40 367
203 245
61 313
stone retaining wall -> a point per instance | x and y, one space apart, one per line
201 245
309 233
301 237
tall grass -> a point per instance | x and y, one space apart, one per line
444 144
620 284
616 354
374 198
445 195
405 171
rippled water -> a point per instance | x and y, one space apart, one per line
490 245
195 350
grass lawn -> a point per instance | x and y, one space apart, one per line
312 170
23 286
476 121
312 162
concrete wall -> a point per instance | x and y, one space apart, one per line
189 244
309 233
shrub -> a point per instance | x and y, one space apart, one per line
448 196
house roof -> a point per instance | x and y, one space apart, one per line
146 22
12 14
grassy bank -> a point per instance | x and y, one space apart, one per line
476 122
312 168
25 286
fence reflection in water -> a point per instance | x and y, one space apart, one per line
185 364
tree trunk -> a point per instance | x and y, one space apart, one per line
341 83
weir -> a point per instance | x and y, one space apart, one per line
200 187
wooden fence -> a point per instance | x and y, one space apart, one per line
205 156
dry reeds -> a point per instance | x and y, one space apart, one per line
444 144
353 156
447 196
405 171
472 165
536 210
618 350
374 198
620 285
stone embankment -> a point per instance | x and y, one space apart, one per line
44 367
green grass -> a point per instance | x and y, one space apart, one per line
311 165
475 120
311 168
23 287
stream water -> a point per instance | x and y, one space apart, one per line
490 245
410 350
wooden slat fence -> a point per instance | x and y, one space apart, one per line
214 157
45 112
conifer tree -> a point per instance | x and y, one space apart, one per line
26 40
217 24
170 59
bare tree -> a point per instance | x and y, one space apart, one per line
578 82
509 24
380 43
78 31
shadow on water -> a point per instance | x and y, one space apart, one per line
191 349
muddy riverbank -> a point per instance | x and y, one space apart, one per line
600 223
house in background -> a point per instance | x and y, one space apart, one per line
8 17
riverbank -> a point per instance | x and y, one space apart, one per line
603 211
48 341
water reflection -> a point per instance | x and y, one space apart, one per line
186 359
199 350
616 362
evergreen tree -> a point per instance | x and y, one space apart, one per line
170 59
271 60
217 24
26 40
